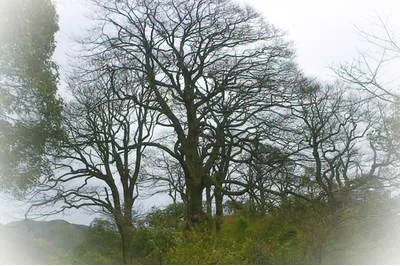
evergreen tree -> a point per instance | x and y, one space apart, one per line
29 108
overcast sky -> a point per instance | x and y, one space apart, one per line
323 34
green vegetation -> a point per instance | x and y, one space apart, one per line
295 233
29 108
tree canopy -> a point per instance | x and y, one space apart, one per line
29 106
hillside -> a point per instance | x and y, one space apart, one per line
38 242
291 234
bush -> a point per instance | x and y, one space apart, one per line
294 233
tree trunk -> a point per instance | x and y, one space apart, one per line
218 207
125 229
194 209
126 244
194 174
208 200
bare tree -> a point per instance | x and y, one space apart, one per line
192 55
332 126
98 163
383 144
374 75
372 72
167 177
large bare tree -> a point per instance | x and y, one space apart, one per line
98 163
191 56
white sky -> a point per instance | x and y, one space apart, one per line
323 33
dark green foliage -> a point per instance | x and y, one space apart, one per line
29 108
168 218
151 245
100 246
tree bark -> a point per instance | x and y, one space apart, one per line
126 244
218 207
209 200
125 229
194 210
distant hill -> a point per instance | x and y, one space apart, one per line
37 242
